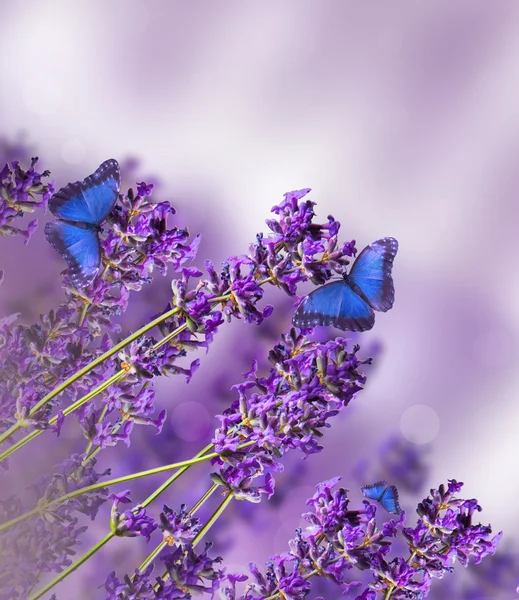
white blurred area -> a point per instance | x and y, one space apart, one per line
402 117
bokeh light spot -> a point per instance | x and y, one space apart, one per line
420 424
73 151
43 96
191 421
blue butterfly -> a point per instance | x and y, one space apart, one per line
81 207
348 304
386 494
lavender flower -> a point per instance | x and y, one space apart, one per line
403 463
130 523
445 532
178 527
18 189
186 573
308 384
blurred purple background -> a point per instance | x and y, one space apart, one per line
404 121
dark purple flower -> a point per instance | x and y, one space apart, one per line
140 586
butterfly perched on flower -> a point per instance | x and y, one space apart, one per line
349 303
386 494
81 207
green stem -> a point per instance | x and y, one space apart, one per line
73 566
213 519
150 558
83 314
201 457
201 501
92 365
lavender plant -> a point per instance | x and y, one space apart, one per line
72 363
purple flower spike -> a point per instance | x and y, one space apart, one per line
132 522
145 189
47 541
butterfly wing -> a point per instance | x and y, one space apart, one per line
389 500
334 304
80 248
375 490
386 494
372 273
91 200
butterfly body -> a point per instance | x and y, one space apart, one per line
386 494
349 303
81 207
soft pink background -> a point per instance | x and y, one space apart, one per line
402 117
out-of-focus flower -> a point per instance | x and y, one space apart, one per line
45 543
22 192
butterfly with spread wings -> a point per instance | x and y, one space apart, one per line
349 304
386 494
81 207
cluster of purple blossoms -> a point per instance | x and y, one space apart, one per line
185 574
297 250
37 358
138 242
18 189
339 544
405 464
307 385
